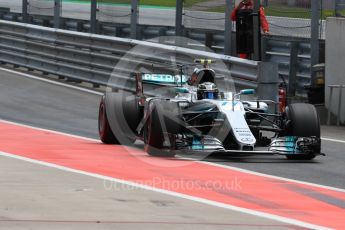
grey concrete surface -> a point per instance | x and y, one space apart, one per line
334 132
54 107
335 61
38 197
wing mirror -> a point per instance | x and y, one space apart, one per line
245 92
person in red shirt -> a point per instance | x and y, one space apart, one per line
246 5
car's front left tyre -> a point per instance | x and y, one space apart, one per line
104 130
160 122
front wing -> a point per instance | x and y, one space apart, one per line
288 145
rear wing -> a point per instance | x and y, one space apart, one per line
163 79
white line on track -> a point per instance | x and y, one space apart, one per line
175 194
51 81
332 140
51 131
202 162
274 177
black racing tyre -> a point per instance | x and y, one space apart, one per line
171 113
104 131
303 121
160 121
132 113
124 116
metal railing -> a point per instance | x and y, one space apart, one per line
91 58
293 57
276 49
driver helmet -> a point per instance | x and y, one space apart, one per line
207 90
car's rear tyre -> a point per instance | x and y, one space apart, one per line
160 122
105 133
124 116
132 114
303 121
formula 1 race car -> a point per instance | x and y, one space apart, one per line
199 117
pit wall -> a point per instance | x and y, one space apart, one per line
335 64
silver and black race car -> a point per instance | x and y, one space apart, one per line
192 115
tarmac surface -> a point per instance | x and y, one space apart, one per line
35 196
38 197
62 109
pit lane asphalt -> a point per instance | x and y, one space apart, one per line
49 106
39 197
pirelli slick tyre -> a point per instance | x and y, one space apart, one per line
120 114
303 121
160 121
105 133
124 116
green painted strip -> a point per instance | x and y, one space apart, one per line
121 4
